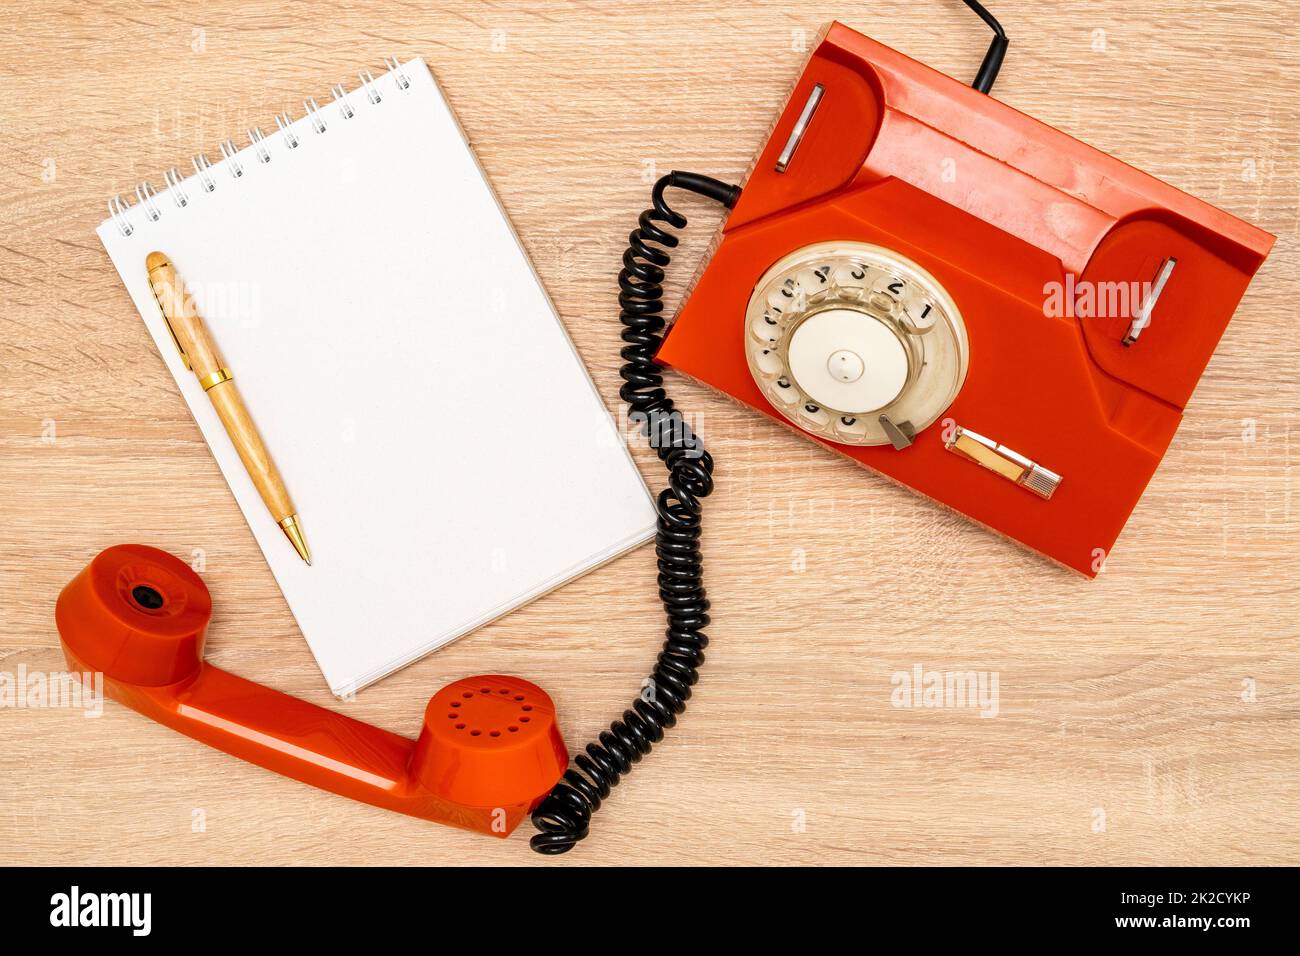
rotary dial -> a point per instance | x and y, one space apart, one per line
855 343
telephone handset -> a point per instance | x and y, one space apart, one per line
488 752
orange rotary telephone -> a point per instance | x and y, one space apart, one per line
488 752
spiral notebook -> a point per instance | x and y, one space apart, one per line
447 452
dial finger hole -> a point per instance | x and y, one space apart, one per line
784 394
769 363
851 427
765 330
814 415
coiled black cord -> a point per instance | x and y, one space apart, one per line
564 816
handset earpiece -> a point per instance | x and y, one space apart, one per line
488 752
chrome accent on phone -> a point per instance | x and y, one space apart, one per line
1143 317
800 127
1000 459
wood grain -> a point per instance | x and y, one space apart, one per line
1151 716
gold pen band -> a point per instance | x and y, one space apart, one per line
215 378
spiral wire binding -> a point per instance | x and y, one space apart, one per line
117 208
228 151
564 815
120 210
173 179
201 166
255 139
341 98
395 68
282 121
144 194
368 84
312 110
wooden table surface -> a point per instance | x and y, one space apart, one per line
1148 717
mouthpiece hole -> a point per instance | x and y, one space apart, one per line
147 597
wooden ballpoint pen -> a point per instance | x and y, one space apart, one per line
200 355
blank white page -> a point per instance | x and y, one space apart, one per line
446 450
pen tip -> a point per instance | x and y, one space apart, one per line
293 531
